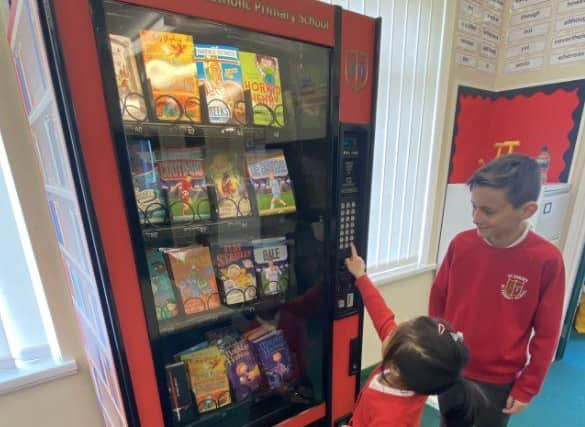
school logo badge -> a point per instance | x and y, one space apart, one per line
515 287
356 69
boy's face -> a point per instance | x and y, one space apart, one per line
495 217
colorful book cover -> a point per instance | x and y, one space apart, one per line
243 370
193 274
271 257
274 357
179 392
147 189
127 79
182 176
170 68
218 68
165 300
262 77
226 175
209 380
271 181
235 267
196 347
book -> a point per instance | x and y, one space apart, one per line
218 68
150 199
271 258
182 176
180 392
171 71
194 278
235 268
261 75
258 332
225 174
202 345
274 357
165 300
209 381
128 79
271 182
243 369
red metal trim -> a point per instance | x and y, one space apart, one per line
258 15
358 45
305 418
75 30
343 384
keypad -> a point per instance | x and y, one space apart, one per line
348 218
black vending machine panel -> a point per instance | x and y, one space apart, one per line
353 212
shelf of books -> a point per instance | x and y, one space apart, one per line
220 172
206 92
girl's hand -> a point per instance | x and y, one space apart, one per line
355 264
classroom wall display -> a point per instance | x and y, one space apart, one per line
489 124
544 33
540 121
479 34
530 36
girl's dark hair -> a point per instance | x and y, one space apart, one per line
428 357
517 174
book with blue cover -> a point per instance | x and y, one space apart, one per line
271 258
165 300
272 184
274 357
218 68
243 369
150 198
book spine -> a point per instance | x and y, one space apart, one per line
180 393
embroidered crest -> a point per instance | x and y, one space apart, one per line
356 69
515 287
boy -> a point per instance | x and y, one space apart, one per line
498 284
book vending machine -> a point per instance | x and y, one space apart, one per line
207 165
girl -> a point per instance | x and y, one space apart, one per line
420 357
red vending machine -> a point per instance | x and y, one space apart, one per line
219 155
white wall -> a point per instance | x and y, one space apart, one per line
67 402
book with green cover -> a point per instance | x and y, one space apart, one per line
261 75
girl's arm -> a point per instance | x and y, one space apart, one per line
382 316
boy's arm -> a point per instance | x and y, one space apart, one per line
382 316
438 297
547 323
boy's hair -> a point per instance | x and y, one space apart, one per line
518 174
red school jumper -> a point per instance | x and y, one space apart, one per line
378 404
497 297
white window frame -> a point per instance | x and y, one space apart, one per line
40 359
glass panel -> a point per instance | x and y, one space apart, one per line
226 137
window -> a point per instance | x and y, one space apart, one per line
410 103
29 351
28 344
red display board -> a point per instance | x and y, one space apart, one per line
489 124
